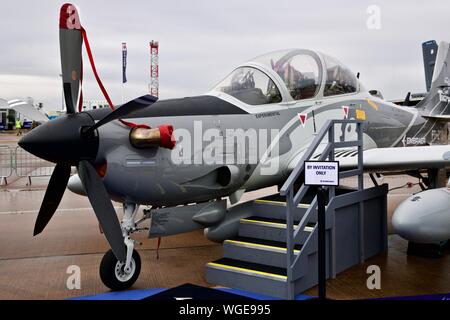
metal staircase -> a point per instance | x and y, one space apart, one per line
275 251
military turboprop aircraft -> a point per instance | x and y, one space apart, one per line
183 156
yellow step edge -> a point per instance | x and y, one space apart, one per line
260 245
272 275
300 205
274 224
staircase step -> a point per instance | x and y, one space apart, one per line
254 277
261 251
262 243
255 269
280 202
269 229
277 223
277 209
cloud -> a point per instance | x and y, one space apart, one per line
202 41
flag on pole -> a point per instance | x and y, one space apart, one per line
124 62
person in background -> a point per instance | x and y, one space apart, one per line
18 127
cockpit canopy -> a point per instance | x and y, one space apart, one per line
305 74
250 86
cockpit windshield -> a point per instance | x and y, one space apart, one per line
340 79
306 74
299 69
250 86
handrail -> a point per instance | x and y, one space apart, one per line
293 197
310 151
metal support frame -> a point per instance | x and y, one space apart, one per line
321 254
293 198
374 180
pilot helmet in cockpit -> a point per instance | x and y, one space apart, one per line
243 80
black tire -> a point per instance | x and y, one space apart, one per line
108 271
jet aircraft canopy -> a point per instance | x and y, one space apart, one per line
303 74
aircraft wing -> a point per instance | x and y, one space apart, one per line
29 111
392 159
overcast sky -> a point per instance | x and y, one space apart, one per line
202 41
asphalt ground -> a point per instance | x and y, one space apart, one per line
36 267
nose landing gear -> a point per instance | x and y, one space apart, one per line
121 275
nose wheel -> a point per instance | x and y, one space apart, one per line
114 273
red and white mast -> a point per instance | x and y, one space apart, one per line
154 69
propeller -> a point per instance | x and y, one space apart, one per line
53 196
73 140
124 110
66 142
103 208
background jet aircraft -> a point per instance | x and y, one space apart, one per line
152 156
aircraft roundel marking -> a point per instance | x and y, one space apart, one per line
69 18
302 117
345 109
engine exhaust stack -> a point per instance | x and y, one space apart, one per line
162 136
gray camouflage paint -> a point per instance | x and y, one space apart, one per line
150 177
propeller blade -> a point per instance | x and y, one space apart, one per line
103 208
124 110
53 195
70 42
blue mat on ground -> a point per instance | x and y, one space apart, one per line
190 291
442 296
183 292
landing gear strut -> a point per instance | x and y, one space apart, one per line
121 275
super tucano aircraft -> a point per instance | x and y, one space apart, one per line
183 157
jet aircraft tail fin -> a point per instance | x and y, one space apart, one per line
429 51
437 102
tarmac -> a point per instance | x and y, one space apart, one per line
36 267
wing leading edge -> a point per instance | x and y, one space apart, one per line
392 159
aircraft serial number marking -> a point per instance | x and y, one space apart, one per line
267 114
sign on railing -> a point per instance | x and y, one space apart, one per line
322 173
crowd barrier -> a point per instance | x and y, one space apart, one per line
23 164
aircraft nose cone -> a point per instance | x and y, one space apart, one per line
37 142
61 141
28 142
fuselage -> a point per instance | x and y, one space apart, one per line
230 139
217 155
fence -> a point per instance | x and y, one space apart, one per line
24 164
6 164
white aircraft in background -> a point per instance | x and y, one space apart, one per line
25 108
